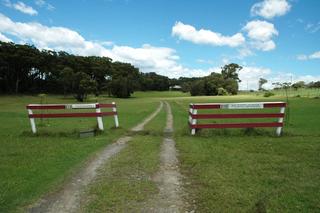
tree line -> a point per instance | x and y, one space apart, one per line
26 69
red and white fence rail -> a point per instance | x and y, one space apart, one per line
194 116
97 106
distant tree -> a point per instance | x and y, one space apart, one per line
66 78
198 88
124 80
185 87
299 84
83 85
230 71
262 81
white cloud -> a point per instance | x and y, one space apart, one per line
147 58
4 38
202 36
260 34
204 61
42 3
244 52
22 7
303 57
315 55
270 8
50 7
312 28
57 38
249 76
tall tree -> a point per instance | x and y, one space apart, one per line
262 81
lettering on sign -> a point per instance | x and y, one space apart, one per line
242 106
83 106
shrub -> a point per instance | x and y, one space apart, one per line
268 94
222 91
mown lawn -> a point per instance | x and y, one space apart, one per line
33 165
253 171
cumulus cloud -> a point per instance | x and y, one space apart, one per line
250 76
202 36
303 57
58 38
148 58
260 34
20 6
270 8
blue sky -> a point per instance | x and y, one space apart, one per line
275 39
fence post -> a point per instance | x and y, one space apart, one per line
114 109
32 122
194 121
280 120
190 112
99 118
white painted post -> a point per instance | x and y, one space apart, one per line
99 118
279 129
190 111
32 122
194 121
116 120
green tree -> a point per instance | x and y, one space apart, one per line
124 80
262 81
230 71
83 85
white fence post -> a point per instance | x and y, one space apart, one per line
194 121
114 109
99 118
190 112
32 122
279 129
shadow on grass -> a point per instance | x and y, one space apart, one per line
206 133
76 133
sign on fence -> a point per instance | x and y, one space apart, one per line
194 116
98 114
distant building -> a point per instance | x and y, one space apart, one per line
175 87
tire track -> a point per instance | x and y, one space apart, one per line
168 178
68 198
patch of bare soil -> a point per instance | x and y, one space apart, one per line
68 198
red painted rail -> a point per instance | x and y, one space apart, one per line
194 116
96 106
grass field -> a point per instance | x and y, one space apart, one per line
225 171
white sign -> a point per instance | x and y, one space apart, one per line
82 106
242 106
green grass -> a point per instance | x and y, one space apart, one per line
124 184
33 165
230 171
226 170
